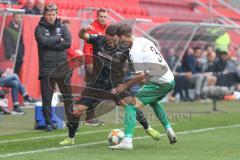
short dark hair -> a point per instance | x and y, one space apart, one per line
223 52
101 10
50 7
111 30
124 30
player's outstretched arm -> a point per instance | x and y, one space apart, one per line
122 87
83 32
137 79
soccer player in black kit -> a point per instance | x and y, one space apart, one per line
108 72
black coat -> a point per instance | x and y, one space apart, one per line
51 50
10 37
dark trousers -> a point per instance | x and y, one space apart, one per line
181 85
47 89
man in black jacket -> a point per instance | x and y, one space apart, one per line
53 38
10 39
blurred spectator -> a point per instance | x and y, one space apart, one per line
100 24
179 52
237 60
12 81
40 7
182 85
179 76
226 71
238 55
191 64
182 78
222 42
30 8
221 62
209 66
170 57
10 39
221 39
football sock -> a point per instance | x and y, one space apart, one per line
72 128
170 130
141 119
129 120
161 115
128 139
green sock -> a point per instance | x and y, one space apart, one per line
161 115
129 120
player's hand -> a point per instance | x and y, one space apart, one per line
88 28
145 80
62 39
119 89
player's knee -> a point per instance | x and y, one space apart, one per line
78 110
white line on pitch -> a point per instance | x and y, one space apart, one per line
58 135
102 142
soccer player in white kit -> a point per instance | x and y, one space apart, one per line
159 82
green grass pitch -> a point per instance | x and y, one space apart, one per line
201 135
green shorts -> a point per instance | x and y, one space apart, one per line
151 93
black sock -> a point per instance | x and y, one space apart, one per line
72 128
15 106
141 119
26 97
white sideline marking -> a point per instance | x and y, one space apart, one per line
48 137
102 142
59 135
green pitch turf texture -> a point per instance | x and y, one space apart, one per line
201 135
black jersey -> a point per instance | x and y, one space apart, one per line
108 61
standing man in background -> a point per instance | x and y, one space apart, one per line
30 7
53 39
99 25
40 4
10 40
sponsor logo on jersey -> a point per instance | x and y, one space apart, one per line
47 32
58 30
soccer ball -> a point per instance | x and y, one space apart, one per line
115 137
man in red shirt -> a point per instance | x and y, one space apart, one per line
99 25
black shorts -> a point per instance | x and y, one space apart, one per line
91 96
89 102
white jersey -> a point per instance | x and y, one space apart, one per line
146 57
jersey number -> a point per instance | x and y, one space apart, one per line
157 53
